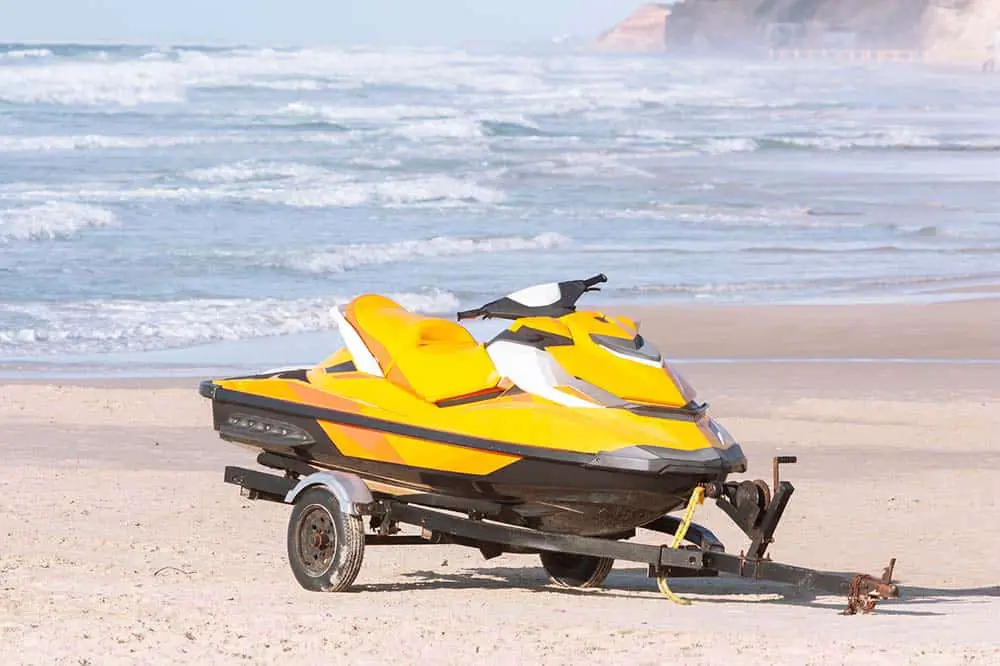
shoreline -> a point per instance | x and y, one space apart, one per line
945 333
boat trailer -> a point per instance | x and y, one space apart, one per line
749 504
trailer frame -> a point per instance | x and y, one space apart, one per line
703 555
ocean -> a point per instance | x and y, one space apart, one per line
175 208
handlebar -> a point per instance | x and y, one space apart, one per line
591 282
470 314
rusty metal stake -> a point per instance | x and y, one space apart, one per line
887 572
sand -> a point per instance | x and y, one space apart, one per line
121 544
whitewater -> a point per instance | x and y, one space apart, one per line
173 204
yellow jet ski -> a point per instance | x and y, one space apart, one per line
568 421
560 436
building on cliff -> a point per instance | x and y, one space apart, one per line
946 30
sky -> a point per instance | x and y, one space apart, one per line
307 21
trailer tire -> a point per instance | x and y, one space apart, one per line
325 545
568 570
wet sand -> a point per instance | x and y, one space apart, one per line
121 544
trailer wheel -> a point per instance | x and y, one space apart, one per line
325 546
568 570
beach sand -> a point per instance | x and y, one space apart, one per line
121 543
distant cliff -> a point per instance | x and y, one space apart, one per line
644 30
946 28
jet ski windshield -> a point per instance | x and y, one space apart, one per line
554 299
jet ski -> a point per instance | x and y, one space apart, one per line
567 421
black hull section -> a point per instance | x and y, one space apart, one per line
553 494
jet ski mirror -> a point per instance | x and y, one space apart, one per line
553 299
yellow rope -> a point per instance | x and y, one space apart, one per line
697 497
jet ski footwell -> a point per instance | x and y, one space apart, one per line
756 513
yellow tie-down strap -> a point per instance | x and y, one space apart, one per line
697 497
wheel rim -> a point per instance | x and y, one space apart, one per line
317 539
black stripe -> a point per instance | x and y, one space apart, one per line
690 412
470 399
532 337
381 425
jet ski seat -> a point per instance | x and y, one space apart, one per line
433 358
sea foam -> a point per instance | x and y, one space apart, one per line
347 257
134 325
51 220
289 185
21 54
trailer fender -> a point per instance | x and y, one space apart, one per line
352 494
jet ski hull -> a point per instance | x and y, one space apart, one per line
553 489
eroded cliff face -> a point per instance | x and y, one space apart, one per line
962 30
945 29
642 31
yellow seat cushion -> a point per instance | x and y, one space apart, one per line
434 358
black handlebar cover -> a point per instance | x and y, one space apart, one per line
470 314
506 308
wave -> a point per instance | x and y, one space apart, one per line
41 144
320 126
130 76
297 186
723 146
473 127
928 231
723 215
430 70
365 115
423 192
901 138
376 162
251 170
347 257
438 128
21 54
85 51
123 84
415 122
596 165
133 325
51 220
897 138
512 128
44 144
